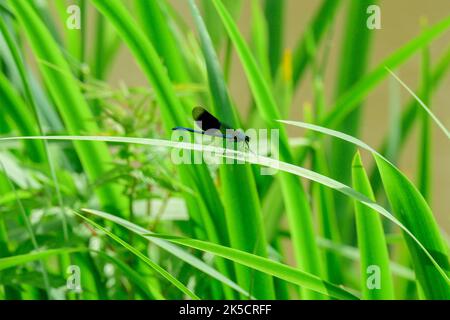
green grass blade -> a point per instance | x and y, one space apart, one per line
298 210
422 104
157 29
176 251
70 102
274 15
239 189
133 276
273 268
142 257
326 217
264 161
417 207
353 64
14 107
349 100
371 240
424 174
413 211
14 261
318 26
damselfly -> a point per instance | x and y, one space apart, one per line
211 126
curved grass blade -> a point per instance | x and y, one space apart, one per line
298 210
15 261
349 100
414 212
371 240
208 212
276 269
142 257
239 189
264 161
417 218
176 251
422 104
74 110
318 26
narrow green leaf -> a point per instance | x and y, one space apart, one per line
70 102
239 189
272 163
15 261
416 215
176 251
276 269
298 210
376 281
142 257
349 100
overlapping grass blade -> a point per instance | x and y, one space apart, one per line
142 257
208 211
239 189
264 161
176 251
371 240
353 64
70 102
349 100
416 215
417 221
296 203
14 261
262 264
318 26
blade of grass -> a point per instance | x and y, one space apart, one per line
143 258
133 276
70 102
14 107
276 269
15 261
318 26
353 64
371 241
274 15
157 29
174 250
239 189
422 104
424 174
413 211
205 209
299 213
348 101
402 194
269 162
262 264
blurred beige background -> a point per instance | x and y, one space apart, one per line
400 23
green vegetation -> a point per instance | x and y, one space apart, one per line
87 176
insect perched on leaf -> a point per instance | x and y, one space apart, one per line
211 126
